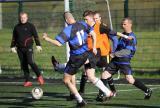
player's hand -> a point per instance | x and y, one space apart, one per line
112 55
45 36
95 51
39 48
14 50
130 37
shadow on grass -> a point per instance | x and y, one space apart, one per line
127 106
28 101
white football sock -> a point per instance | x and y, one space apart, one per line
79 98
98 83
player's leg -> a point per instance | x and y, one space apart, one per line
83 82
24 66
70 70
103 63
97 82
129 77
58 66
105 76
71 95
31 62
72 88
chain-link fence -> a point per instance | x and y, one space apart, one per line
48 17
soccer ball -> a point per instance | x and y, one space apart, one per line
37 93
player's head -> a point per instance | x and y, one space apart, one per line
69 18
97 17
127 24
88 17
23 17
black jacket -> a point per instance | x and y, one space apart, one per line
23 35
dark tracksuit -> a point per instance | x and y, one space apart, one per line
23 35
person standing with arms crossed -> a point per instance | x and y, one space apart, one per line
22 44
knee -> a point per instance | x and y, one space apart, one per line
91 78
130 80
106 75
66 81
31 63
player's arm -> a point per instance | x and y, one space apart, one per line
36 38
105 29
52 41
13 42
124 36
35 35
121 53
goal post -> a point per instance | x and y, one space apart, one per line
67 8
0 16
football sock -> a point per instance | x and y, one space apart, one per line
140 85
98 83
105 83
111 84
78 97
82 83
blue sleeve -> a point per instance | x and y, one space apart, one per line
64 35
114 44
87 27
132 43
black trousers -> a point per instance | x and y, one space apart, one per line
26 58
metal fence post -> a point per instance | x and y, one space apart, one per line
126 8
1 16
20 8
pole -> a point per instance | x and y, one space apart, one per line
20 8
0 15
66 5
109 14
126 8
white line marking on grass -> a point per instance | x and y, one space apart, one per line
8 99
123 90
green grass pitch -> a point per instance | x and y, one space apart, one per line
14 95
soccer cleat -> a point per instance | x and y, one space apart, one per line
99 97
40 80
148 94
54 63
70 97
81 104
114 93
27 84
106 98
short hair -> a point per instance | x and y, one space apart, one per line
23 13
97 12
67 15
88 13
127 18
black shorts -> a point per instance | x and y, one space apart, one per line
114 66
76 61
101 61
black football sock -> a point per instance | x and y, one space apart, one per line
140 85
111 84
82 83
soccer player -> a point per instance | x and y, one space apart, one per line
121 59
76 35
103 34
22 44
102 45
